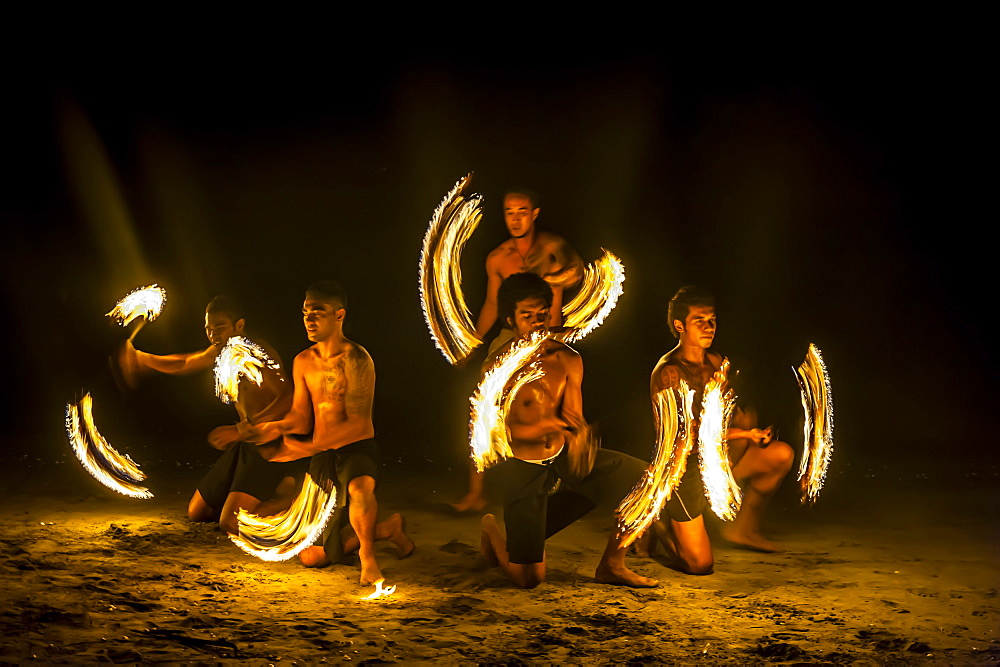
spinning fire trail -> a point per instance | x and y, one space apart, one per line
817 407
114 470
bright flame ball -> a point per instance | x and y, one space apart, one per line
146 302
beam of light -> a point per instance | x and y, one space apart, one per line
599 291
145 302
674 417
239 358
283 536
817 406
380 592
488 436
114 470
445 311
713 447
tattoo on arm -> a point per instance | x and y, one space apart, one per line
360 383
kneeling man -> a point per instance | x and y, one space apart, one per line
759 462
552 446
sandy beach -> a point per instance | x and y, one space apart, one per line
901 577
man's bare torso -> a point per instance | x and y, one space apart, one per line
542 400
270 400
672 367
541 259
328 381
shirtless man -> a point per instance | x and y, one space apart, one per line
241 478
552 444
334 390
759 462
531 250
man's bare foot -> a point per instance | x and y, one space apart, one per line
370 573
314 557
748 540
622 576
485 543
471 502
397 535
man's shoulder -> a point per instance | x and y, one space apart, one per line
356 352
546 237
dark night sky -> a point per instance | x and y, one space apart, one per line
825 198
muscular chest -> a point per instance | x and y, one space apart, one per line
537 260
544 394
328 380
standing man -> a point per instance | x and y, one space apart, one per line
759 462
333 395
528 250
241 478
552 444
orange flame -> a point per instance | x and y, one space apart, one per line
445 311
598 296
109 467
380 592
817 406
283 536
489 439
713 448
146 302
674 417
239 358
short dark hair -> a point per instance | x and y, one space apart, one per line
686 298
328 291
524 192
224 304
518 287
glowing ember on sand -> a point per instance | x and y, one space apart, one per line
283 536
145 302
489 439
598 295
447 315
713 447
240 358
114 470
380 592
817 405
673 414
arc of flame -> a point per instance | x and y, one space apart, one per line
283 536
109 467
713 449
146 302
674 416
817 406
600 288
239 358
445 311
488 436
379 591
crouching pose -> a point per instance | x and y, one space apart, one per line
334 390
552 446
759 462
241 478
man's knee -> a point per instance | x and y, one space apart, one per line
361 486
780 455
699 563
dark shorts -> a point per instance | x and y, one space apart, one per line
531 514
241 469
688 501
340 466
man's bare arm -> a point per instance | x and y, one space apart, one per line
581 442
567 265
299 419
181 363
488 313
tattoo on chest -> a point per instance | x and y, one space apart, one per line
334 384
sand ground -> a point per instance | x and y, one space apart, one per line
883 571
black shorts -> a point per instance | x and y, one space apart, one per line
241 469
531 514
688 501
340 466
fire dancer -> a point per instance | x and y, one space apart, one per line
334 390
552 445
241 478
759 462
531 250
